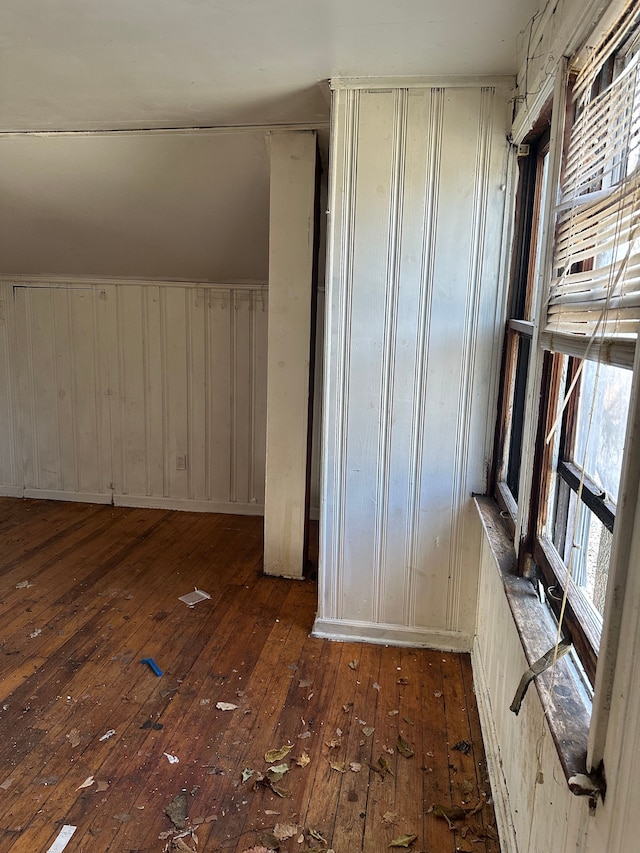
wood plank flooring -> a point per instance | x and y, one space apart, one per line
87 592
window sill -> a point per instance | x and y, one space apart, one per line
561 697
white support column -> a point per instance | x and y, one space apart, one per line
291 245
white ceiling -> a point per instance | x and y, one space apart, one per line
115 64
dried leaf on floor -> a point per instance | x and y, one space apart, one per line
74 737
334 743
303 760
281 792
390 817
226 706
437 693
317 836
382 761
88 782
337 765
404 748
247 773
275 773
177 810
282 831
305 682
353 664
277 754
449 813
403 840
367 731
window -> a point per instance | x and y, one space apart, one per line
532 164
581 343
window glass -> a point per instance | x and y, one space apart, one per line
601 424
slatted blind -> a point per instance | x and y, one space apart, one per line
594 294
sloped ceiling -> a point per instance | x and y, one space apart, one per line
118 64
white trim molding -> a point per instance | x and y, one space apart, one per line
347 630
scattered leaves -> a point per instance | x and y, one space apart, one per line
259 849
282 831
226 706
303 760
382 761
177 810
88 782
318 837
247 773
334 743
403 747
74 737
367 731
281 792
449 813
277 754
390 817
353 664
275 773
337 765
403 841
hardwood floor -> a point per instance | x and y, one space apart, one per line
87 592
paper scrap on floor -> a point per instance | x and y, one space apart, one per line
194 597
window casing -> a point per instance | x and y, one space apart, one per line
585 336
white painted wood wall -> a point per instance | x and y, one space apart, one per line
108 388
416 204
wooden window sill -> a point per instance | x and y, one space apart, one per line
562 699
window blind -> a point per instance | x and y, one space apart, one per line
594 293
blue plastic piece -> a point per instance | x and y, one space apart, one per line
153 665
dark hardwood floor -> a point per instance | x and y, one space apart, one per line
90 734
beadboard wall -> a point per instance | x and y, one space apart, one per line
416 203
136 392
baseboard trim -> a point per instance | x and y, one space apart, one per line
55 495
187 505
499 790
11 491
391 635
134 501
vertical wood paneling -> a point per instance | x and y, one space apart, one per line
361 590
116 381
8 461
220 409
415 193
